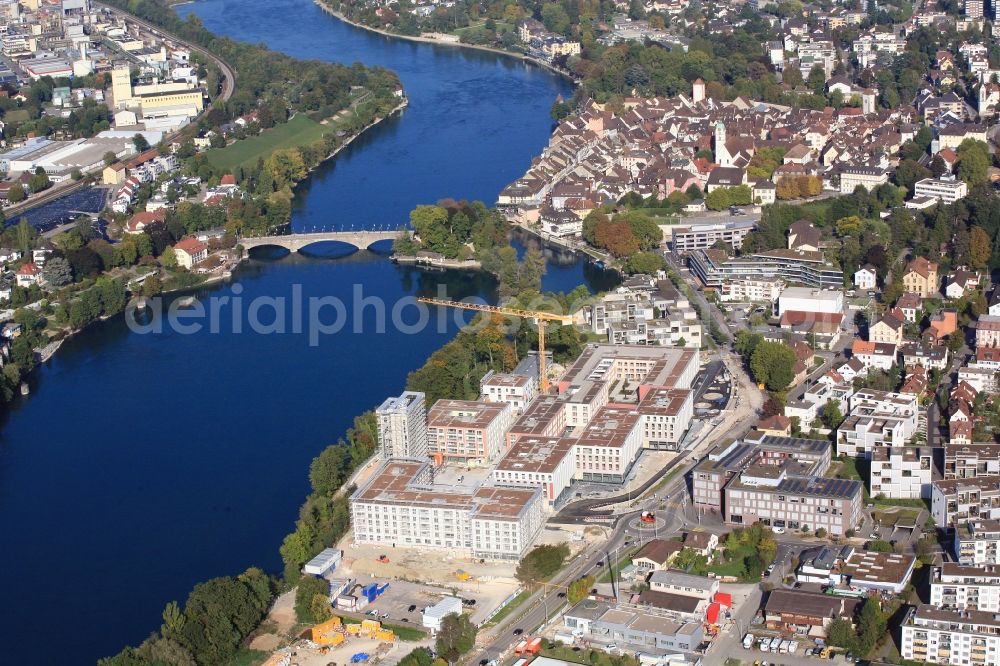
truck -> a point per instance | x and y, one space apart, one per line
783 647
747 641
793 647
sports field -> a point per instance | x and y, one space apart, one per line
299 131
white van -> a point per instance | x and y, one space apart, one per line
747 641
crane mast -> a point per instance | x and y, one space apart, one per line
537 315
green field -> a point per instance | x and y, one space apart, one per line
299 131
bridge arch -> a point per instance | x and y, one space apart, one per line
361 240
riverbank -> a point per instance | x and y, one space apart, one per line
430 38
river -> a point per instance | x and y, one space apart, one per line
142 464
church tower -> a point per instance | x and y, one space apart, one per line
722 157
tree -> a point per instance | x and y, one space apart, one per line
580 589
541 563
16 193
140 143
841 634
871 626
980 248
973 161
168 258
39 181
110 158
647 263
308 589
792 77
772 364
456 637
327 470
817 80
831 416
57 272
76 174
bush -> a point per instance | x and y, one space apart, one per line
307 610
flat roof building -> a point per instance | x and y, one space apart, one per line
538 462
401 505
468 431
402 426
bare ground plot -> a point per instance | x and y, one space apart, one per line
421 577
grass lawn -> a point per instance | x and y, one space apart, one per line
734 567
511 607
299 131
248 657
405 633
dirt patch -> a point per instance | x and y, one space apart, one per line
265 642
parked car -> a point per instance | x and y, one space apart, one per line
412 608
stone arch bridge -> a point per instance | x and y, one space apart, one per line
294 242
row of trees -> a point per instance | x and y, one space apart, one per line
622 234
216 619
325 515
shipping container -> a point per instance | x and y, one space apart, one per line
568 639
520 648
534 646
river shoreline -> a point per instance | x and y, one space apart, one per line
423 39
52 346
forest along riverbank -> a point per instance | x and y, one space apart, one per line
433 38
256 409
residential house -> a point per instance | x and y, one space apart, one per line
190 251
921 277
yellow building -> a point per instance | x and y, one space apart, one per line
193 97
121 86
921 277
114 174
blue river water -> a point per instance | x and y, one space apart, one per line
142 464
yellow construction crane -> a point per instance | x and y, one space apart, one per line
540 317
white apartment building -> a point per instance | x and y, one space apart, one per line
867 177
954 501
402 426
401 505
806 299
869 46
959 637
538 462
877 418
666 417
468 431
609 445
977 542
750 291
965 461
901 472
962 587
516 390
946 191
